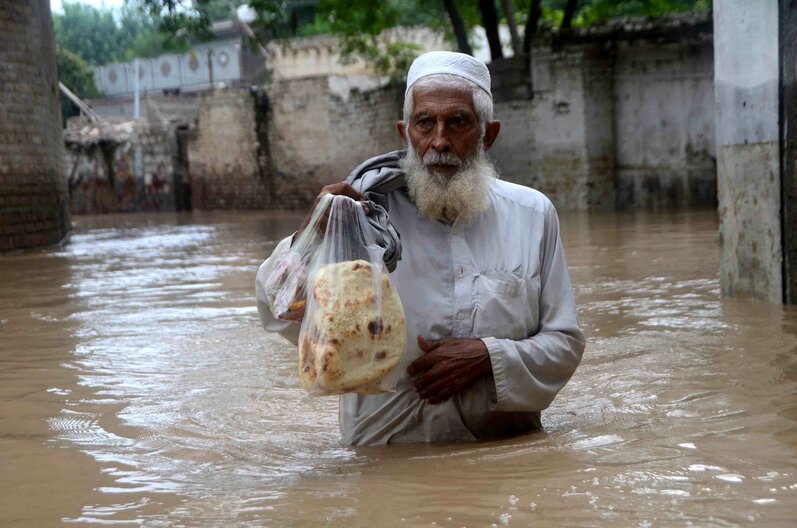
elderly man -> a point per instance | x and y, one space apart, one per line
493 332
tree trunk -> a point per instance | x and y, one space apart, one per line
490 23
509 11
459 27
533 20
570 10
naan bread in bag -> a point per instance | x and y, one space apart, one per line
352 340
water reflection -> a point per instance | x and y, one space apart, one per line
173 407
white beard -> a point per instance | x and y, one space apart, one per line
462 195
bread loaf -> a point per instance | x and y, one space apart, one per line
355 332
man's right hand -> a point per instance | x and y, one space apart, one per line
340 188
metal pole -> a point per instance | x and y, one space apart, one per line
210 68
138 159
136 94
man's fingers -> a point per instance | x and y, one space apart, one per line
425 362
436 392
347 190
420 365
427 345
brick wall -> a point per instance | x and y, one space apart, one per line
225 158
319 131
33 192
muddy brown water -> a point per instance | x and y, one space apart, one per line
136 388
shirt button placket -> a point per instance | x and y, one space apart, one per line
460 255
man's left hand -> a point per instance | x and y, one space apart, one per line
449 366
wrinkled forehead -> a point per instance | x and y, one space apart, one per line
442 99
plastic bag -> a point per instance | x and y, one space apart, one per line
353 329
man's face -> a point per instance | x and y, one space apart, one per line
443 122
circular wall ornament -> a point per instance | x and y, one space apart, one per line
193 63
112 76
223 58
166 68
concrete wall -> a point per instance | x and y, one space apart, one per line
562 141
624 123
626 128
183 108
204 64
320 128
748 155
103 177
320 55
227 158
33 193
664 100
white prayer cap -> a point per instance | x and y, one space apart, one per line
460 64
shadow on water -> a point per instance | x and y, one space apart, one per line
172 407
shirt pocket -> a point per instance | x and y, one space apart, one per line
506 305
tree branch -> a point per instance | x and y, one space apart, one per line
532 22
490 23
458 24
570 11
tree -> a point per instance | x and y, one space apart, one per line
359 23
458 25
88 32
101 36
589 12
78 76
569 12
489 16
509 13
532 23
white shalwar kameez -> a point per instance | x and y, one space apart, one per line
501 278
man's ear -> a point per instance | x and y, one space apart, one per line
402 130
491 133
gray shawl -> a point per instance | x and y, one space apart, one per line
375 178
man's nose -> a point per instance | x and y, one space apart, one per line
440 141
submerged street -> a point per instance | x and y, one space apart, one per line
137 387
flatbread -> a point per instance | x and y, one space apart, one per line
355 332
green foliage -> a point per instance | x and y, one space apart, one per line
88 32
359 24
590 12
101 36
77 76
86 37
275 18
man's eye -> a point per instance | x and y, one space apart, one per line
458 121
423 122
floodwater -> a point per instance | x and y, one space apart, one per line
136 388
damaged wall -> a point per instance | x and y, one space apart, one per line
625 125
664 100
614 122
320 128
226 158
106 175
561 142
